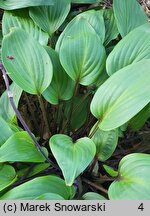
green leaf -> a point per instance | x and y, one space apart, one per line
5 131
138 121
102 78
131 49
133 183
15 128
94 19
26 61
14 4
129 15
21 19
111 30
7 176
82 65
122 129
20 147
50 18
122 96
93 196
73 158
38 168
39 186
110 171
80 111
50 196
106 142
61 87
6 110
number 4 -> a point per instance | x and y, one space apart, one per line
141 207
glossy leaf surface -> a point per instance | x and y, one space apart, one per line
94 19
131 49
110 171
26 61
93 196
21 19
5 131
61 87
50 196
84 65
7 176
106 142
133 183
50 18
117 100
14 4
6 110
38 168
39 186
111 30
138 121
129 15
80 111
20 147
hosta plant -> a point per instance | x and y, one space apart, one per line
77 81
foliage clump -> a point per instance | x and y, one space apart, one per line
77 84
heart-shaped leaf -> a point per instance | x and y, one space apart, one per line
5 131
82 65
50 18
7 176
133 182
39 186
6 110
61 87
122 96
26 61
20 147
14 4
131 49
21 19
106 142
125 17
73 158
